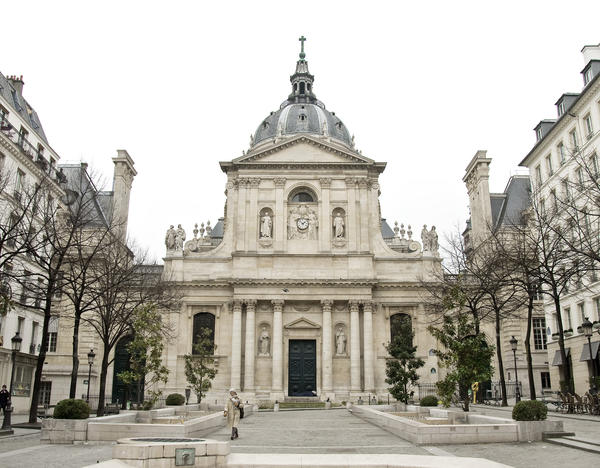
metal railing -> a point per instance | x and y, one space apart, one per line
33 153
425 389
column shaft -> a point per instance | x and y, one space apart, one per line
368 346
249 348
354 347
277 384
327 363
236 345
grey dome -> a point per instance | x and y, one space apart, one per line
293 118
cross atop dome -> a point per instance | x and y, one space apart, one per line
302 80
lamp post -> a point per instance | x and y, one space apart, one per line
91 355
513 346
587 331
15 342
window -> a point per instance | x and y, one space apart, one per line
581 311
597 307
40 152
39 292
3 117
538 291
594 162
302 197
545 379
554 199
549 165
543 207
202 320
539 333
58 284
20 324
538 134
562 155
25 287
567 320
400 324
52 334
23 134
574 141
19 183
565 188
13 230
33 342
589 129
580 175
45 391
22 383
538 175
587 76
561 108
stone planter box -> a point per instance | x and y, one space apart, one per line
64 431
531 431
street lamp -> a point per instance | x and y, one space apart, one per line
91 355
587 331
513 346
15 342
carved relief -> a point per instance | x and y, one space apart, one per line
303 223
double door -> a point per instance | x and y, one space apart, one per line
302 369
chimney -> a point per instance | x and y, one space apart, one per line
591 59
590 52
124 173
17 83
476 179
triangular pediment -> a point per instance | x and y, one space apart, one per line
303 150
302 323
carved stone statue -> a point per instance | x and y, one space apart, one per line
425 239
340 342
266 226
433 240
179 237
338 226
264 342
170 238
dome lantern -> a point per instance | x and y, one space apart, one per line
302 81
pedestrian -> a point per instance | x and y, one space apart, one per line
4 398
232 412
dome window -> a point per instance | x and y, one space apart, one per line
339 125
302 197
265 124
302 117
302 87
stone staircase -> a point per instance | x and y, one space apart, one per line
568 439
297 399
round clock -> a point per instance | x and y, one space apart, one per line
302 223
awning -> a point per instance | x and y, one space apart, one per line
557 361
585 352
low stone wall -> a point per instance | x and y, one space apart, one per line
423 434
64 431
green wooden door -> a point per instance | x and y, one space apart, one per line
302 377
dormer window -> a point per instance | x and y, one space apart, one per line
561 108
339 125
587 76
538 134
302 117
265 124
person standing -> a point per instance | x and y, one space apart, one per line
232 412
4 398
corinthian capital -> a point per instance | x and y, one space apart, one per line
277 305
326 305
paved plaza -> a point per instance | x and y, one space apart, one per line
320 431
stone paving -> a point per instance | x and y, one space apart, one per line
320 431
314 431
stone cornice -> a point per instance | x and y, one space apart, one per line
227 284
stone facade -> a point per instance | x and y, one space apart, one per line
302 257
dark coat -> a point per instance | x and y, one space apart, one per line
4 397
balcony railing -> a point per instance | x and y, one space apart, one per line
30 151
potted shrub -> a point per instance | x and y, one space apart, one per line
580 329
555 336
175 399
568 332
69 423
429 400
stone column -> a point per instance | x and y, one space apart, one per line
368 346
249 348
354 347
325 231
236 345
277 384
280 217
327 363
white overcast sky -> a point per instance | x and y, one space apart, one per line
182 84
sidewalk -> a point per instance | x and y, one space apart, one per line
19 432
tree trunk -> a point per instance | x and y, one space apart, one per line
528 348
561 343
75 369
102 389
500 361
37 381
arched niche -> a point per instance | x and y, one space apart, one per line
338 224
264 339
302 194
340 339
266 221
202 320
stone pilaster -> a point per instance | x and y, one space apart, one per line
277 383
252 229
363 201
240 219
354 347
236 345
325 231
249 348
327 363
352 226
280 217
368 346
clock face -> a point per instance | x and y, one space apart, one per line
302 223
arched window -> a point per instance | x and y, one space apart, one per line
400 325
302 197
203 320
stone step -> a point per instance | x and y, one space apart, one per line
556 434
575 444
289 399
582 439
